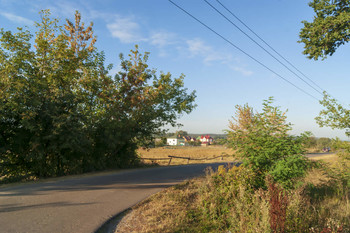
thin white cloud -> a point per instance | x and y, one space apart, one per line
162 38
16 18
242 70
197 47
163 41
125 29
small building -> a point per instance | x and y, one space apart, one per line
189 139
175 141
206 140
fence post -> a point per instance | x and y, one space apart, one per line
188 160
170 160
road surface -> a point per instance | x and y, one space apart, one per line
84 204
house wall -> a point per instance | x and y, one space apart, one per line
171 141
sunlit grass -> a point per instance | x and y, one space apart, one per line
197 152
331 158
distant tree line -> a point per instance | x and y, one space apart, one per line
318 143
62 113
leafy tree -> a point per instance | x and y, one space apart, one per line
329 29
41 117
334 115
263 143
311 141
181 133
324 142
61 112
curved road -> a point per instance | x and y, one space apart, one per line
84 204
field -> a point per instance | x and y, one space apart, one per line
208 154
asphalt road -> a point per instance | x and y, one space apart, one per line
84 204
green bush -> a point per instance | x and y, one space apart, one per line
194 143
263 143
229 203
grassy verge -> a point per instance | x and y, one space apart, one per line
225 202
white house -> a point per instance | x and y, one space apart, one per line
175 141
206 139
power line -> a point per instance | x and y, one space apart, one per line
258 44
251 57
280 55
251 30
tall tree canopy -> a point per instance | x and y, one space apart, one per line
61 112
329 29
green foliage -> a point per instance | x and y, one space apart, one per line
324 143
288 169
334 115
311 142
263 143
229 203
160 142
195 143
226 201
180 133
61 113
329 29
340 172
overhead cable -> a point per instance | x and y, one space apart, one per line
250 56
258 44
251 30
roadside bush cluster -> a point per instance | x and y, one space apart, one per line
225 201
62 113
233 205
269 192
262 142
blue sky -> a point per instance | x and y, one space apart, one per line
222 76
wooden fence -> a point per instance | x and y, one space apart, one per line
170 157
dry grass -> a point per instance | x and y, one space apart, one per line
203 205
164 211
313 150
186 151
331 158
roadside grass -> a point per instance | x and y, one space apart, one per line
313 150
224 201
332 159
195 152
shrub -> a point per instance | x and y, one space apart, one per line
263 143
194 143
228 202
